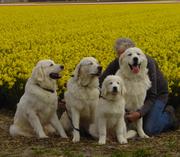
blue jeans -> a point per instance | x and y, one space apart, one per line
157 121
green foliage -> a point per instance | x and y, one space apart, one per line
142 153
119 154
70 153
66 33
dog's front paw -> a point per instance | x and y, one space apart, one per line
76 138
43 136
144 136
102 141
122 140
64 135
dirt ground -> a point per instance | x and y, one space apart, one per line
165 145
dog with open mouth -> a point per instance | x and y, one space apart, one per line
36 110
81 97
133 70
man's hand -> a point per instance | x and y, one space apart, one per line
132 116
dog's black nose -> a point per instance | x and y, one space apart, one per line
62 66
114 89
135 59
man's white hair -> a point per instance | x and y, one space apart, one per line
124 43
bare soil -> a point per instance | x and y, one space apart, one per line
164 145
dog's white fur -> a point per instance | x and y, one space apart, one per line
110 111
37 107
81 96
136 84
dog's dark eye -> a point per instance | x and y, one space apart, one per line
91 63
51 65
117 82
129 54
138 54
110 83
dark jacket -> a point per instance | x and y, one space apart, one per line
158 90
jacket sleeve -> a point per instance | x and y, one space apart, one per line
110 70
152 92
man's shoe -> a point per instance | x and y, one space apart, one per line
171 111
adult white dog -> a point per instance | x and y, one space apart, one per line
82 96
37 107
110 111
133 70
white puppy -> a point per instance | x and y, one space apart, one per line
110 110
133 70
82 96
37 107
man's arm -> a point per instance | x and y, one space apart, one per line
110 70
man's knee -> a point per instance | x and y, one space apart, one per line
151 129
153 120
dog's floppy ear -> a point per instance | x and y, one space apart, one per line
122 87
38 73
145 61
103 89
121 58
77 71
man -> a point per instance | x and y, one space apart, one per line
157 117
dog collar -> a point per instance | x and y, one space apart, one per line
102 97
49 90
106 98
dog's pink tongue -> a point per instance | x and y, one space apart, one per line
135 69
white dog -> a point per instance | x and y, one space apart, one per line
110 111
37 107
133 70
82 96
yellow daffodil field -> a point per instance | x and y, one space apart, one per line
67 33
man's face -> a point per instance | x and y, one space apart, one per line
120 51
